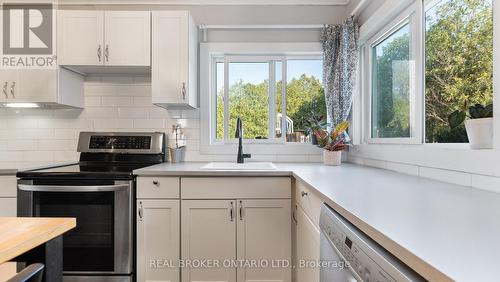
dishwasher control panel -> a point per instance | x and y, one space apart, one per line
367 259
359 261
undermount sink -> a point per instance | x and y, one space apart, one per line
236 166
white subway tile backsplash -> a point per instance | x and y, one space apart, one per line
55 145
66 156
142 101
104 124
489 183
21 145
117 101
101 112
112 103
91 101
149 123
403 168
11 156
38 134
133 112
449 176
38 156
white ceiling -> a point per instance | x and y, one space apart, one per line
211 2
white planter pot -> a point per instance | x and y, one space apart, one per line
332 157
480 133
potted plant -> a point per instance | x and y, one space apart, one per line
479 125
333 143
315 123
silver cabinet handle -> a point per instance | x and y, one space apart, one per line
294 217
156 182
241 210
12 89
183 91
106 53
140 211
303 194
231 212
51 188
5 90
99 53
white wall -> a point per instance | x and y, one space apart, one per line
32 137
123 103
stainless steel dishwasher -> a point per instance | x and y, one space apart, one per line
347 254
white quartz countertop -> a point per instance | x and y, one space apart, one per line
13 171
443 231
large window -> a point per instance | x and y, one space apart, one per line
459 63
435 58
251 87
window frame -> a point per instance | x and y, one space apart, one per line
208 51
412 16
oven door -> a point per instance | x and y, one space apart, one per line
101 243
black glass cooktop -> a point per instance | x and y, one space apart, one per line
85 171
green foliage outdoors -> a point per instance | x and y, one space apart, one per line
250 102
391 87
459 64
458 72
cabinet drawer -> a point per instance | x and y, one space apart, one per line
236 187
309 201
157 187
8 186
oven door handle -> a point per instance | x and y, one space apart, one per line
69 188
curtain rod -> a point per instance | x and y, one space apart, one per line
312 26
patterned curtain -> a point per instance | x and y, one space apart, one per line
340 68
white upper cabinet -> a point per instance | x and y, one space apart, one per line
174 59
127 38
53 88
98 38
80 37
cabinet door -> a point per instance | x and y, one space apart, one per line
8 207
9 85
37 86
80 37
307 246
264 233
158 240
127 38
170 61
208 233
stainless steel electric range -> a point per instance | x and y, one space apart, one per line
99 192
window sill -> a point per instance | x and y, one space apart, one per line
291 148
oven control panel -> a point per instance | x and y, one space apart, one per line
120 142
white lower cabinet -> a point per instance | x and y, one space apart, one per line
264 233
307 247
8 194
158 242
248 230
208 233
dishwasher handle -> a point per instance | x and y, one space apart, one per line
69 188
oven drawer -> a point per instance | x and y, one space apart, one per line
158 187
